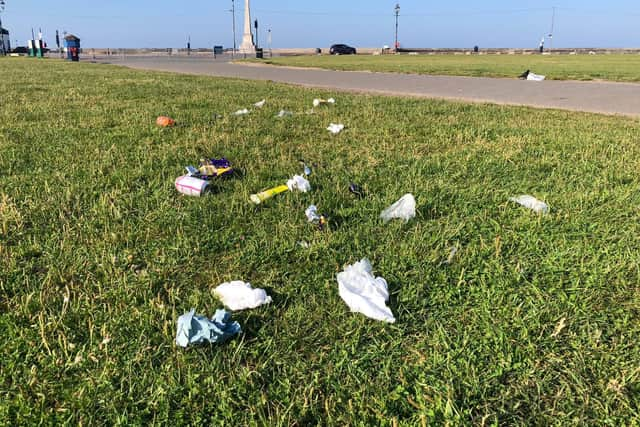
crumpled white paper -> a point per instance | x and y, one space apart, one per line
260 104
535 77
532 203
312 213
363 292
241 112
335 128
299 183
238 295
405 208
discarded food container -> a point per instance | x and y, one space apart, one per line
165 121
191 186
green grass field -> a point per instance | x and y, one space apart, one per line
623 68
99 256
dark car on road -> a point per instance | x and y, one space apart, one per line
342 49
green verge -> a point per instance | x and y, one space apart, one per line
99 256
622 68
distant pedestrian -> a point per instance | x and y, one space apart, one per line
542 45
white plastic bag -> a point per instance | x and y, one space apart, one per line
405 208
241 112
535 77
530 202
238 295
299 183
260 104
335 128
284 113
363 292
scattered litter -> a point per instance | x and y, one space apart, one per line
194 329
260 104
284 113
213 168
191 186
307 169
524 75
356 190
317 102
559 327
530 202
405 208
304 244
238 295
299 183
165 121
535 77
452 255
267 194
365 293
241 112
335 128
312 213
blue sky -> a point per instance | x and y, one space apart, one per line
487 23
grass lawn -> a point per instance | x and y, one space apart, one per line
622 68
99 256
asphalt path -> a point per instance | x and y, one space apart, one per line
595 97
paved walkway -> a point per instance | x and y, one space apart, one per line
596 97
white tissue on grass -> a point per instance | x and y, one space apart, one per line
532 203
238 295
312 213
335 128
260 104
241 112
535 77
363 292
299 183
405 208
284 113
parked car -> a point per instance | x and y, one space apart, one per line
342 49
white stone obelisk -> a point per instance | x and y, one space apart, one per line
247 45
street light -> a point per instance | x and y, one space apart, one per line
2 51
397 9
233 14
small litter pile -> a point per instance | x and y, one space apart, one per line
194 329
297 183
363 292
197 180
260 104
241 112
321 220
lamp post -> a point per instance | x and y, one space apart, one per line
233 14
397 9
269 42
256 25
2 51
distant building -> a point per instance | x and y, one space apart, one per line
5 40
